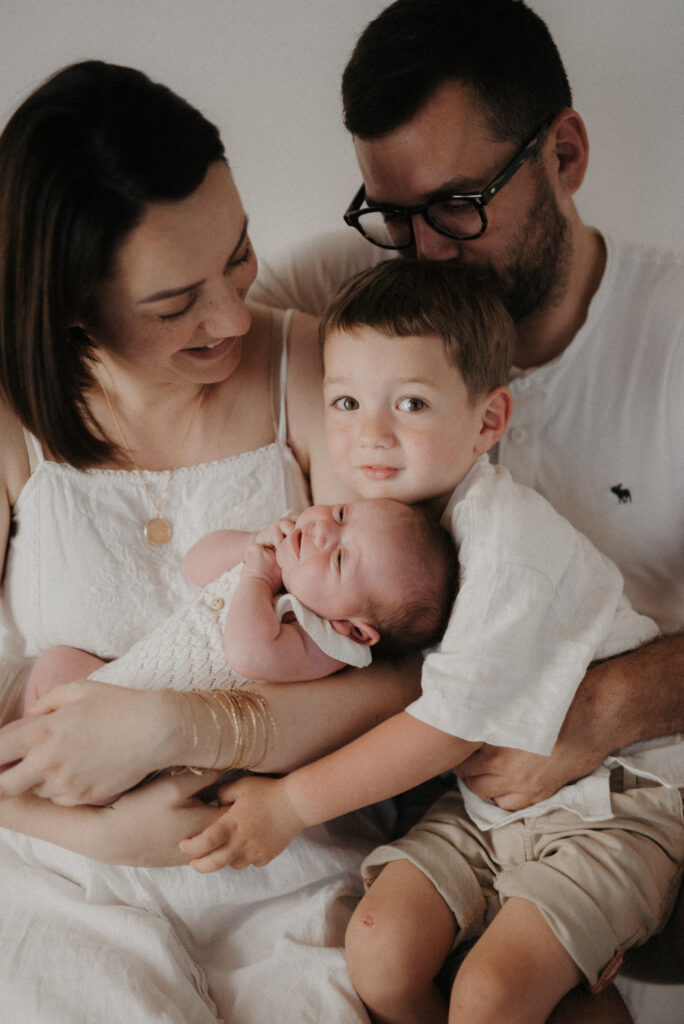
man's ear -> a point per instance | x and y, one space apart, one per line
360 631
569 146
497 407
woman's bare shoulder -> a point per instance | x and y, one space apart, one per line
14 462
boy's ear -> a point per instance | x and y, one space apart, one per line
497 407
360 631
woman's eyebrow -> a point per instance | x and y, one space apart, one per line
170 293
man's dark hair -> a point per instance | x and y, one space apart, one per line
500 49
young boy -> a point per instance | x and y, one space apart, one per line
416 358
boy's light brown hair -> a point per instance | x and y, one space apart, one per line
415 298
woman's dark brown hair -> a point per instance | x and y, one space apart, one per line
79 161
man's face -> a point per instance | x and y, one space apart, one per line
526 247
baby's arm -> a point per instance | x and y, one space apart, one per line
56 666
214 554
257 644
264 815
217 552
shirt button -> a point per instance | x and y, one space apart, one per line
517 435
217 603
522 383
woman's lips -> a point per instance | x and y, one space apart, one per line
213 351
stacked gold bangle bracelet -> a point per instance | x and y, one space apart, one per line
253 728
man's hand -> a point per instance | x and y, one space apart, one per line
514 779
257 825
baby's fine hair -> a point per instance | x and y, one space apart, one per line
417 617
406 298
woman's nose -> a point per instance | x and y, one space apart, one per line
228 315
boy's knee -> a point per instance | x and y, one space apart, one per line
480 994
379 958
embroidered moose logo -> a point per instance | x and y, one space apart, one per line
621 493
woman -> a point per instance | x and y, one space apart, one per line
144 406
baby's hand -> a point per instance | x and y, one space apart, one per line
256 826
261 564
271 536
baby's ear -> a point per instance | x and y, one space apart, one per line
360 631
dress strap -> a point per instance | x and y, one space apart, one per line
281 420
34 449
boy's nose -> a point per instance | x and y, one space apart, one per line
375 431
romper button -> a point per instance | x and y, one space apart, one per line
217 603
518 435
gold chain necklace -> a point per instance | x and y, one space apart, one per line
157 530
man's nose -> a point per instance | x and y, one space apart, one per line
430 245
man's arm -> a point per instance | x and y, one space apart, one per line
634 696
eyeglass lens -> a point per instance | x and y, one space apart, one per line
457 218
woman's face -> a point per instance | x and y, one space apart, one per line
174 308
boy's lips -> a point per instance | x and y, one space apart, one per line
379 472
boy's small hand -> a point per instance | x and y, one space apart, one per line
256 826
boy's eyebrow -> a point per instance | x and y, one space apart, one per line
403 381
171 293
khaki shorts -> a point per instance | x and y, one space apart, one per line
602 887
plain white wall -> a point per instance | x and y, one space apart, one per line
268 72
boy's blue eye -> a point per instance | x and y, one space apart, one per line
346 403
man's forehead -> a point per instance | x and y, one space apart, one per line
446 145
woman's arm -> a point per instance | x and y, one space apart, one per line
143 828
97 739
634 696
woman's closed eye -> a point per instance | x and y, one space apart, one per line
239 261
180 312
411 404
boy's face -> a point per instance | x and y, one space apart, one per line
339 556
399 421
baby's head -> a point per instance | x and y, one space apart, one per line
380 571
417 354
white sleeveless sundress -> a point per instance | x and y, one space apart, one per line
84 941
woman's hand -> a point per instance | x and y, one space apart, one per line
86 740
145 826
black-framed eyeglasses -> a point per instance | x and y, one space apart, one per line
454 214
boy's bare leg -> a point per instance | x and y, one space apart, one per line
397 941
581 1007
58 665
517 971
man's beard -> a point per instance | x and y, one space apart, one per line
537 276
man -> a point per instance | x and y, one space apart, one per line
469 148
